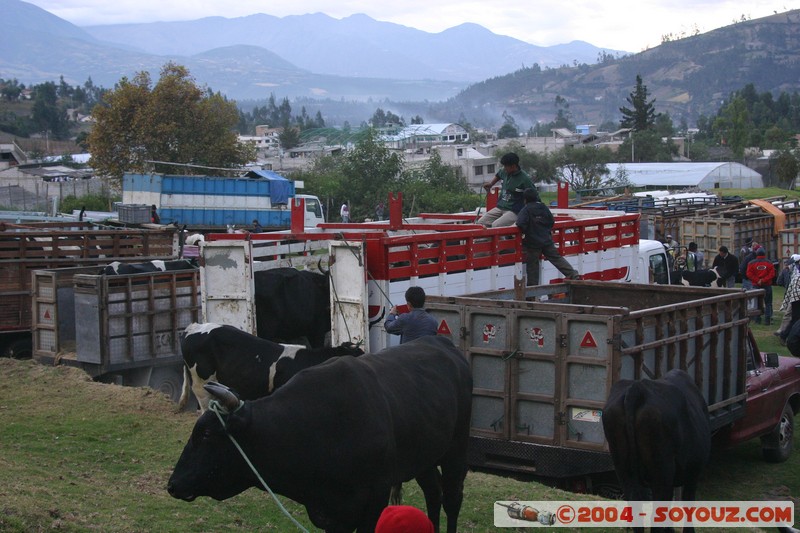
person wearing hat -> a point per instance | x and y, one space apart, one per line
671 242
791 300
515 181
727 266
746 248
536 221
745 260
760 274
403 519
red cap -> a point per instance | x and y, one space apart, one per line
403 519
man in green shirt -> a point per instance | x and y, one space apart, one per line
515 181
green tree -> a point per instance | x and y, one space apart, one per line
733 125
143 128
646 147
362 176
436 187
509 129
786 167
583 167
289 137
47 115
642 114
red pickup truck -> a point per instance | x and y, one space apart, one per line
773 398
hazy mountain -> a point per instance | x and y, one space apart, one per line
687 78
356 46
304 57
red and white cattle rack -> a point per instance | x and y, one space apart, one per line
372 264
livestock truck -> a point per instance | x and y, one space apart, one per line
446 254
123 329
543 358
25 248
543 363
217 203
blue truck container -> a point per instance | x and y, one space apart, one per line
212 201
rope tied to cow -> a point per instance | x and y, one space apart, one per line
220 410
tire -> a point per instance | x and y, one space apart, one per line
168 380
777 446
18 349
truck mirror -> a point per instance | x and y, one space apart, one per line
772 360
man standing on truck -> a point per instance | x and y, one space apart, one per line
760 273
536 221
515 181
727 266
414 324
344 212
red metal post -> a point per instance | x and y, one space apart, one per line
563 194
395 210
298 215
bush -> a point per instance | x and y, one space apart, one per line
92 202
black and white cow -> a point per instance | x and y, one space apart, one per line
699 278
116 268
292 305
250 365
659 436
338 436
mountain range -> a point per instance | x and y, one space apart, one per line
463 74
250 57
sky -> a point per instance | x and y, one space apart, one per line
630 26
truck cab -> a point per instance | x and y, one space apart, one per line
313 216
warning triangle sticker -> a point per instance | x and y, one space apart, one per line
443 329
588 341
47 314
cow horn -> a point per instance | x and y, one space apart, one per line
319 267
225 395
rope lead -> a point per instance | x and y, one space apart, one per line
219 410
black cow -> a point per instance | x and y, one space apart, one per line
659 436
699 278
338 436
248 364
116 268
292 305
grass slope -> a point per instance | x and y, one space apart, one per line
83 456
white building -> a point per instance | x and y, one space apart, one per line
422 136
704 176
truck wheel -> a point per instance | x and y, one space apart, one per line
167 379
18 349
777 446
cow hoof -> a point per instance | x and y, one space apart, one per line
777 446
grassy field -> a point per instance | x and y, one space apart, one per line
82 456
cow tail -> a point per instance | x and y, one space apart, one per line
187 386
634 399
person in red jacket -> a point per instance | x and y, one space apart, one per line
761 272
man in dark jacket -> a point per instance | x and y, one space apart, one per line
727 266
536 222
